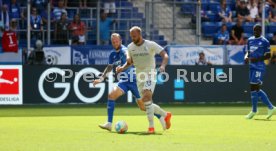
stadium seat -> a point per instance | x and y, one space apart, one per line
209 28
213 6
271 28
247 35
211 16
248 27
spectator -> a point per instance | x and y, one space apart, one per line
44 16
223 35
109 6
9 39
202 60
267 11
5 16
253 10
83 3
61 30
273 11
273 39
78 29
243 12
14 10
36 25
40 5
59 10
224 12
105 24
237 31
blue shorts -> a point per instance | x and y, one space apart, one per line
256 76
132 86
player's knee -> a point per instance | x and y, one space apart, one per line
112 96
142 108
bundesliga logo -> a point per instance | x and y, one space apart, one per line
9 81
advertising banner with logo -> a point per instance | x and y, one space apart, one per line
66 84
188 84
57 55
189 55
85 55
236 54
11 84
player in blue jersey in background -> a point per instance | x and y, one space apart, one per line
258 50
126 82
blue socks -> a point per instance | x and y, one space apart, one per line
254 99
110 110
262 95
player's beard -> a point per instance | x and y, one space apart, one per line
137 40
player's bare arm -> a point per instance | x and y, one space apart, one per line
106 70
128 63
165 59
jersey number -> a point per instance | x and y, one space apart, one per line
258 74
10 37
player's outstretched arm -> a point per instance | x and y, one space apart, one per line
165 59
106 70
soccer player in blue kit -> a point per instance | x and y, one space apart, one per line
126 82
258 50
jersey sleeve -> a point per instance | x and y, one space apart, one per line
157 48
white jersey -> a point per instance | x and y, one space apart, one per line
143 56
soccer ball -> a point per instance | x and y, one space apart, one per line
121 127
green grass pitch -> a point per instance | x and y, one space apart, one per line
194 128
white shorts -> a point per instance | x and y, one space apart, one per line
146 83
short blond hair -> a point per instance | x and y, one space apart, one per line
135 28
115 35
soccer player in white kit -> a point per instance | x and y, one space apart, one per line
141 53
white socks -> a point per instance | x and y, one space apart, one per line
159 110
150 112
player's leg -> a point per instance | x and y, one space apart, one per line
147 99
112 96
254 94
263 96
158 110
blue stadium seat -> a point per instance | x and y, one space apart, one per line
248 27
204 6
213 6
209 28
271 28
188 9
211 16
247 35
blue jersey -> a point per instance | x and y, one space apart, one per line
119 59
257 47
